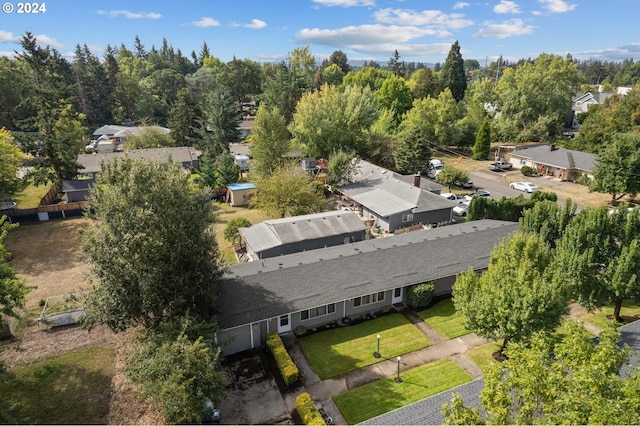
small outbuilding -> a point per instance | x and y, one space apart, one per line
238 194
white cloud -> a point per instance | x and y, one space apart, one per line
631 50
506 6
510 28
557 6
205 22
364 35
256 24
45 40
346 3
130 15
6 36
433 18
9 55
461 5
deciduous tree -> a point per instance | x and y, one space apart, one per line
10 162
151 247
575 381
598 256
516 296
13 291
287 191
617 168
451 176
270 141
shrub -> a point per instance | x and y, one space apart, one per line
420 295
307 410
300 330
527 171
287 368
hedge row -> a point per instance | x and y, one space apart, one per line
307 410
287 368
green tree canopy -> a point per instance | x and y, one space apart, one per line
287 191
13 291
10 162
482 148
451 175
598 257
617 168
395 95
150 137
413 153
516 296
342 166
452 75
331 119
151 246
575 381
270 140
548 219
231 233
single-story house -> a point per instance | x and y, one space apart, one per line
394 202
238 194
244 127
564 164
300 233
77 189
110 138
188 157
347 281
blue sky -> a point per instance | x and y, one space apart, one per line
266 30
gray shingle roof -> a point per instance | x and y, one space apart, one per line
559 157
91 162
387 193
273 233
290 283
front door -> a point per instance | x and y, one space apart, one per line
284 323
397 295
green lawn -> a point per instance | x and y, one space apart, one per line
482 355
340 350
29 196
385 395
600 317
67 389
224 214
444 319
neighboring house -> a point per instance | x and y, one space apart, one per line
242 161
395 201
327 285
428 411
244 127
582 101
300 233
238 194
564 164
188 157
112 138
77 189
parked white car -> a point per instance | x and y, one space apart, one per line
461 209
524 186
453 197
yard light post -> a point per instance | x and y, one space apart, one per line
376 354
398 379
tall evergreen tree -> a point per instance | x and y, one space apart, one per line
413 153
482 148
452 74
395 65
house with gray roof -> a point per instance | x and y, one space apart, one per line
295 234
394 201
186 156
562 163
324 286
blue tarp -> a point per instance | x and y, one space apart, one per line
239 186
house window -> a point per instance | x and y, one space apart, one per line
407 217
318 311
397 292
369 298
284 320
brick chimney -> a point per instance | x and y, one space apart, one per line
416 180
552 147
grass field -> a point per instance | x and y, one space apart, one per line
224 214
385 395
29 196
600 317
340 350
64 389
443 318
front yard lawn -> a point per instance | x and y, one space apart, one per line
443 318
601 317
340 350
385 395
30 195
482 355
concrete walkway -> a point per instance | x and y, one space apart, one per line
322 391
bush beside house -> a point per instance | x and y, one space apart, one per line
287 368
420 295
307 410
